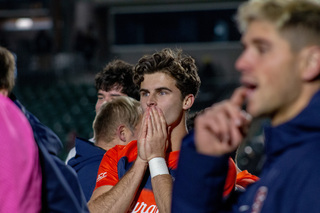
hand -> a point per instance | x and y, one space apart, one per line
220 128
142 137
153 140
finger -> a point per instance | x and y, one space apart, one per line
152 120
246 121
150 127
239 96
236 137
156 119
221 117
223 123
162 121
145 114
144 128
209 122
247 117
234 113
231 107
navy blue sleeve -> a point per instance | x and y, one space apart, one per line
61 191
200 180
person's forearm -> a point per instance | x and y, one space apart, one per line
162 190
119 197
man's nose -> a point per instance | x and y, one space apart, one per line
244 62
151 101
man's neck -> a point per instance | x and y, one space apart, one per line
105 145
177 134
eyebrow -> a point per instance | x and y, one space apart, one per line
157 89
112 94
255 41
260 41
143 90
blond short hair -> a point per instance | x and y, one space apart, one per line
293 19
121 110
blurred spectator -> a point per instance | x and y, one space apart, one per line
281 81
20 175
61 191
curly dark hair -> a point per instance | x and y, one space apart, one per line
117 74
174 63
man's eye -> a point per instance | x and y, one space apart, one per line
100 98
162 92
262 49
144 94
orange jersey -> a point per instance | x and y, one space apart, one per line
118 160
244 179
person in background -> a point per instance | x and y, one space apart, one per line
280 78
114 80
116 123
169 83
20 175
60 190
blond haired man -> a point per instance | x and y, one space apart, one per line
280 74
116 123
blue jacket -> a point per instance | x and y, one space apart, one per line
289 181
86 164
61 191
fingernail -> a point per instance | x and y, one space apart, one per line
237 122
246 115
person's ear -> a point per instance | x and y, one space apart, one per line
188 102
121 133
312 69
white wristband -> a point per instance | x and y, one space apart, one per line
158 166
